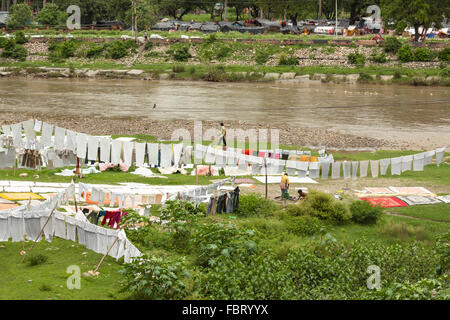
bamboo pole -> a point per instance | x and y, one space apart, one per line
107 252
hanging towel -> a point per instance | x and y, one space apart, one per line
152 154
291 167
17 135
47 132
116 150
346 166
418 161
16 226
406 163
81 234
81 145
440 156
93 148
325 169
166 155
314 170
428 157
91 236
128 153
140 154
396 166
177 151
32 225
48 229
7 130
374 167
384 165
59 225
28 127
105 149
354 169
102 238
71 223
71 141
60 136
363 166
210 157
336 170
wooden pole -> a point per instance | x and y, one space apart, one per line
104 256
39 235
225 11
196 174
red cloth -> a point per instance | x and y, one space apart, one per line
385 202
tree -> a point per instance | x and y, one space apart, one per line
145 12
175 8
51 15
295 9
416 13
20 15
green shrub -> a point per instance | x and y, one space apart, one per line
356 58
405 53
178 68
378 57
211 38
20 38
116 49
180 52
391 45
37 260
442 248
287 61
397 74
218 239
444 55
306 226
364 213
3 41
214 73
262 56
445 73
423 54
155 278
94 51
15 51
322 205
261 277
255 205
148 46
364 78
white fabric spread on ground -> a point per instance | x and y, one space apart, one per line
363 166
374 167
384 165
166 155
92 148
116 150
140 154
336 170
396 166
152 154
346 166
81 145
105 149
418 162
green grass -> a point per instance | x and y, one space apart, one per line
440 211
48 280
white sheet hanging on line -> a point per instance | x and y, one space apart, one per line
346 166
4 226
71 141
105 149
152 153
140 153
355 165
291 167
60 136
428 157
396 166
418 161
406 163
116 150
374 165
440 156
93 148
17 135
177 151
384 165
363 166
7 130
128 153
210 157
28 127
325 169
314 170
47 132
336 170
166 155
81 145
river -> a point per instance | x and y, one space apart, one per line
391 112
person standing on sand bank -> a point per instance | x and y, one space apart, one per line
223 133
284 184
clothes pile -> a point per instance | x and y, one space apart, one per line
227 202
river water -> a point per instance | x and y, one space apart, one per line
383 111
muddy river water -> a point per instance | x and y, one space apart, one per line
421 114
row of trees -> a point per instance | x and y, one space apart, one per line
413 12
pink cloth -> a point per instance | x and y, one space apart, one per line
104 166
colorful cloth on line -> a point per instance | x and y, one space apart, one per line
385 202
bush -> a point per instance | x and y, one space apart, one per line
15 51
364 213
287 61
180 52
255 205
378 57
51 15
64 49
214 73
444 55
445 73
405 53
155 278
323 206
20 15
177 68
424 54
37 260
391 45
215 240
148 46
364 78
262 57
306 226
211 38
94 51
20 38
356 58
397 74
3 42
117 49
262 277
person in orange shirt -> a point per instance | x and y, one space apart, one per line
284 184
